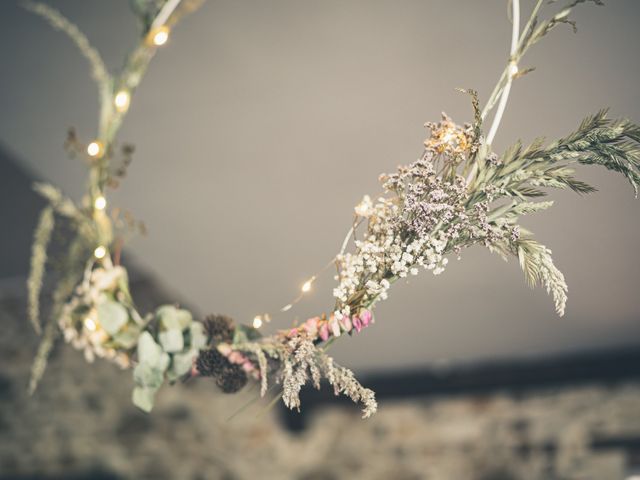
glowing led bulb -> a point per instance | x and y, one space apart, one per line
90 324
95 149
100 252
513 70
100 203
257 321
159 36
306 286
121 101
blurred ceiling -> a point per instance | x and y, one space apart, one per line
262 123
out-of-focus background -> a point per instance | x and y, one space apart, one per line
257 129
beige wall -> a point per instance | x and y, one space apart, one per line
262 123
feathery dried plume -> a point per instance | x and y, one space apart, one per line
60 22
41 238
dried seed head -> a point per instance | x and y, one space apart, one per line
219 328
211 363
232 378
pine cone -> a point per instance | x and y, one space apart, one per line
211 363
219 328
232 378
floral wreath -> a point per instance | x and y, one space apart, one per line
458 193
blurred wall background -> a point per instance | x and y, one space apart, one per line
257 129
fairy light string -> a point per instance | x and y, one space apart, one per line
113 107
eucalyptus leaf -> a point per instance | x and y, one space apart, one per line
182 362
148 350
112 316
143 398
171 340
171 317
184 317
167 316
146 375
198 337
128 337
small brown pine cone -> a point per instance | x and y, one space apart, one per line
232 378
219 328
211 363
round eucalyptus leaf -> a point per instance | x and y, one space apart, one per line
112 316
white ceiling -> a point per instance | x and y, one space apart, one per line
262 123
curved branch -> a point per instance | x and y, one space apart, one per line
512 69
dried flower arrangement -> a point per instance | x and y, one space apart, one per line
457 194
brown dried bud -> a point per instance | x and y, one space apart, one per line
232 378
219 328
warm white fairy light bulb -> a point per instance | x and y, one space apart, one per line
257 321
159 36
95 149
90 324
513 69
100 203
122 100
100 252
306 286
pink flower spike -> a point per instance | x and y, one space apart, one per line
236 357
311 326
346 324
324 331
366 318
292 333
357 323
247 366
335 327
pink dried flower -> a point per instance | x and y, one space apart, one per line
247 366
335 326
345 323
324 331
236 357
311 326
357 323
366 317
